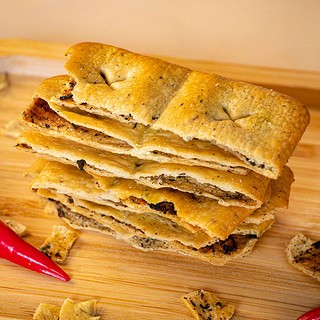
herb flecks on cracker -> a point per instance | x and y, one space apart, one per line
18 228
58 245
304 254
205 305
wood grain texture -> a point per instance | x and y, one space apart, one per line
130 284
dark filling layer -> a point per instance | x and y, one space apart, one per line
186 183
45 119
164 206
254 164
229 245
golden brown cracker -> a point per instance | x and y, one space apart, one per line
304 254
205 305
58 245
237 116
78 311
18 228
46 311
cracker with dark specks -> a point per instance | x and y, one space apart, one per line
18 228
58 245
237 116
205 305
304 254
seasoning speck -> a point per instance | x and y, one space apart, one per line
68 96
81 164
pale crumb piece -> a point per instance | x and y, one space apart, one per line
4 81
18 228
304 254
206 306
12 129
69 311
58 245
81 311
46 312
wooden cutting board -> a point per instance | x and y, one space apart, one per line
130 284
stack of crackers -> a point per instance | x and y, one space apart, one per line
161 156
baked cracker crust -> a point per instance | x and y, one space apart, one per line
229 189
237 116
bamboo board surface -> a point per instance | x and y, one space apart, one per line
128 283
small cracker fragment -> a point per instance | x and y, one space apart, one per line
78 311
69 311
304 254
58 245
205 305
18 228
46 312
12 129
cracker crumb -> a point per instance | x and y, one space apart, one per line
69 311
83 311
304 254
46 312
205 305
18 228
58 245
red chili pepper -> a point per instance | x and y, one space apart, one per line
311 315
16 250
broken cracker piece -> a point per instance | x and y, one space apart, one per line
78 311
204 305
18 228
304 254
58 245
69 311
46 312
12 129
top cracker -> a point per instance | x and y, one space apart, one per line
260 126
